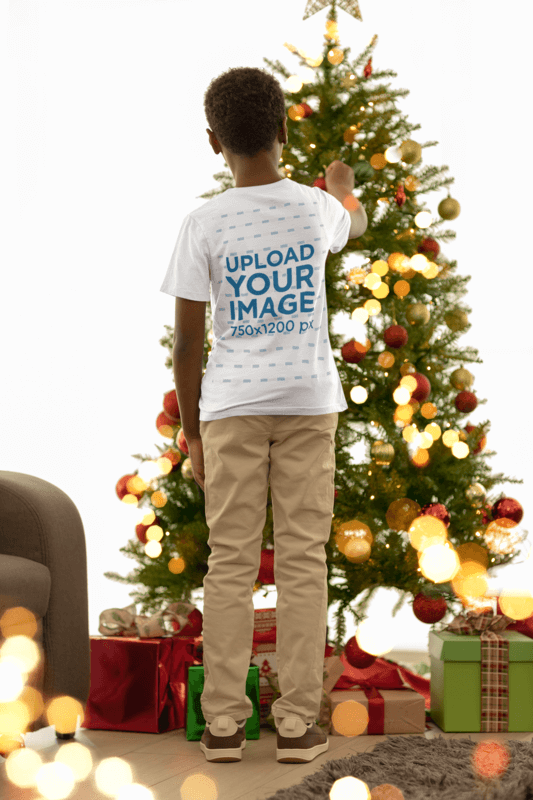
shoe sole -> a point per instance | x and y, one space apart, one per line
293 756
291 751
228 754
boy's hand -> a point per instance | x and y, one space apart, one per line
339 175
196 454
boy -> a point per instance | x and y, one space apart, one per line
266 409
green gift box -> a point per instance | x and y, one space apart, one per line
455 686
195 721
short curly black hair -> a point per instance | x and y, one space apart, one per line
245 108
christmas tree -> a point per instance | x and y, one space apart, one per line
419 513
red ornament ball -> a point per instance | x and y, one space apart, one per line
429 609
321 183
306 109
524 626
395 336
164 424
353 352
482 442
181 441
436 510
356 656
123 489
173 456
141 529
423 388
466 402
509 508
429 245
170 406
486 513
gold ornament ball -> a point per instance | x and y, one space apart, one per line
407 369
401 513
352 528
349 533
449 208
417 314
456 319
357 551
186 469
476 493
382 453
349 135
410 151
461 379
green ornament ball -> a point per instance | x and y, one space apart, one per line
363 172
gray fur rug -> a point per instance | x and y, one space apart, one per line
424 769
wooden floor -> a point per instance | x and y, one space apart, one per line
167 763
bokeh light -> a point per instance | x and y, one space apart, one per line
439 563
376 636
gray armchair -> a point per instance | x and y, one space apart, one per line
43 567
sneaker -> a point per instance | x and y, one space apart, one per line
224 739
298 742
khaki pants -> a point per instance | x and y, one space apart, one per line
241 454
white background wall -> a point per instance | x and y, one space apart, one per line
106 152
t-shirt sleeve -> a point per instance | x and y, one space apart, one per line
336 220
188 274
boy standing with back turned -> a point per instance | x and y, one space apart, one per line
266 409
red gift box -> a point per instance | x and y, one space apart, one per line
139 684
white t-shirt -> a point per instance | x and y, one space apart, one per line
258 253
